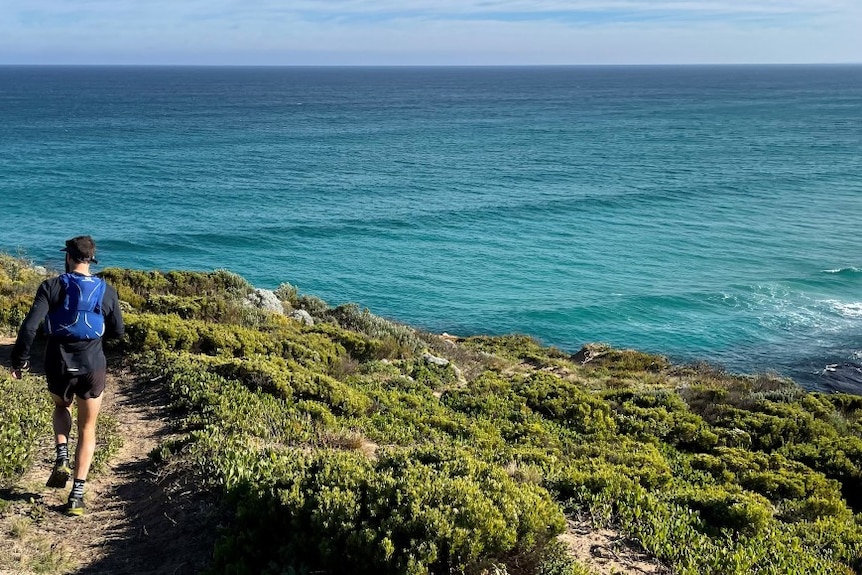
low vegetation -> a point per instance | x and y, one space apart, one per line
358 444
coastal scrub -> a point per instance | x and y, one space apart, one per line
363 445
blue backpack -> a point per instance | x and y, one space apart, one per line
79 317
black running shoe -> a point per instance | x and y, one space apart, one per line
75 506
60 475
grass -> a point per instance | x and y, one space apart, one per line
109 440
33 552
20 527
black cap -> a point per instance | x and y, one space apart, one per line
82 249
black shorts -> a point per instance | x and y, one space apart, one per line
86 386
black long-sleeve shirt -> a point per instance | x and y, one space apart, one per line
82 356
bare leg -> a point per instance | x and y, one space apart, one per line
88 412
62 419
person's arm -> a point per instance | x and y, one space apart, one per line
27 332
114 326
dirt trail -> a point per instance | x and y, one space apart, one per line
137 520
607 552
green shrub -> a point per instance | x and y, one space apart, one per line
603 357
556 560
771 426
661 415
290 380
640 462
178 283
703 530
418 512
798 491
404 412
838 458
848 405
432 375
25 413
19 280
838 540
259 372
288 294
351 317
184 307
228 397
516 347
735 510
150 332
359 347
315 306
13 310
565 402
18 276
489 395
212 308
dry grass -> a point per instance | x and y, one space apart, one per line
347 439
32 551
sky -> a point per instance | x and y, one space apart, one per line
429 32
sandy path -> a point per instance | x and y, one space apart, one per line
607 552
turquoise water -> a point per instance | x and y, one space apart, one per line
704 213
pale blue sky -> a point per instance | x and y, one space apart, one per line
418 32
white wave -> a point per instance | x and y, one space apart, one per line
841 270
852 310
779 308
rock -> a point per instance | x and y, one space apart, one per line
449 339
434 360
41 270
844 377
590 352
462 381
302 317
266 300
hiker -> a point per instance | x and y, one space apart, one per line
79 310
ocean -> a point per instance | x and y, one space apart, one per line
705 213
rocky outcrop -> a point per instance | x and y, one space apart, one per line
845 377
265 299
434 360
302 317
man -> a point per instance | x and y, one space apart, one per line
79 310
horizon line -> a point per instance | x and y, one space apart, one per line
594 65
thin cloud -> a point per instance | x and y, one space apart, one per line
429 31
196 9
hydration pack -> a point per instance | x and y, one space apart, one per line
79 316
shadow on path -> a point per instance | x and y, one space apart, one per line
158 524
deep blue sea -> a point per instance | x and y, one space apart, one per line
706 213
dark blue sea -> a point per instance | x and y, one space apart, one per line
706 213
